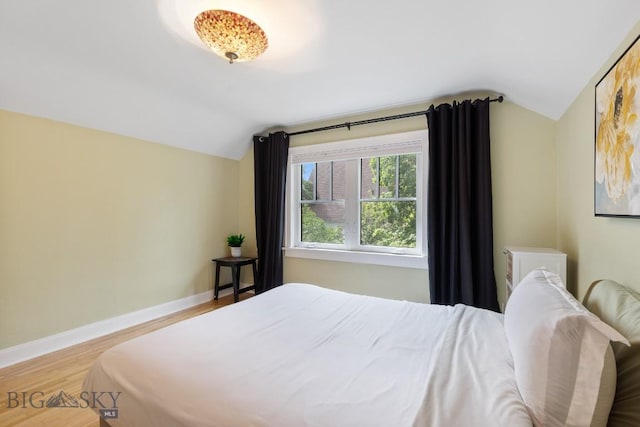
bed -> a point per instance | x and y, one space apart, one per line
302 355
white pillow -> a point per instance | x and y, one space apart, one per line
558 350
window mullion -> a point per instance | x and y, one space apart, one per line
378 177
397 190
315 181
352 204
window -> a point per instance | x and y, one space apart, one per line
359 200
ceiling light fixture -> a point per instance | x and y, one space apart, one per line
230 35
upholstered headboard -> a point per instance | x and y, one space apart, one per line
619 307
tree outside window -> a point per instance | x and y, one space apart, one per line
387 201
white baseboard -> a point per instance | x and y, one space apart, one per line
39 347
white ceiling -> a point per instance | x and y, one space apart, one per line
134 67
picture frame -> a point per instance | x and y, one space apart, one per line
617 137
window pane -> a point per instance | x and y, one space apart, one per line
323 183
322 222
369 178
388 177
390 224
307 181
407 179
339 171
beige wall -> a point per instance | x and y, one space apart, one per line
93 225
524 166
524 173
597 247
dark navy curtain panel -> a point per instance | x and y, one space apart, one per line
460 217
270 168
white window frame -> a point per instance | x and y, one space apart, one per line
351 151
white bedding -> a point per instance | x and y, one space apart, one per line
301 355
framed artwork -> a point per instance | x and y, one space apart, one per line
617 137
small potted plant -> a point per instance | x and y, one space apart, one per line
235 242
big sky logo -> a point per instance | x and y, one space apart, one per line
62 400
106 402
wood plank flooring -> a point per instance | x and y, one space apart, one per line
64 370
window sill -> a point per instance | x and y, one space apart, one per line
391 260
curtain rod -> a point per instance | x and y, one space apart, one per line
348 125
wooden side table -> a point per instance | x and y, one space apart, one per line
235 263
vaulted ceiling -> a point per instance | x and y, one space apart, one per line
136 68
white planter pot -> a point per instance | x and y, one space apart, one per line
236 251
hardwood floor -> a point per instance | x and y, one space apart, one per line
26 387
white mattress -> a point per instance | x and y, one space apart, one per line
301 355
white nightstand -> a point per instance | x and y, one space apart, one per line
522 260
